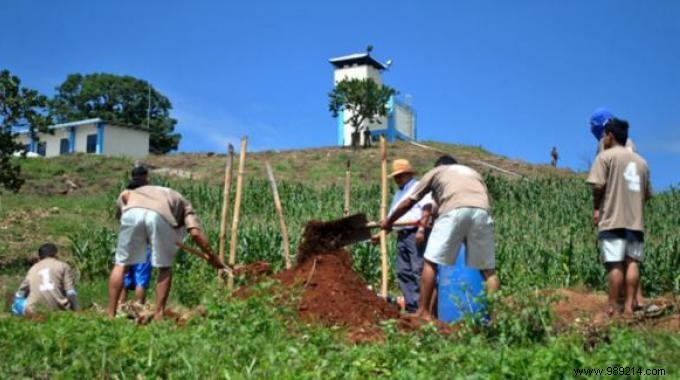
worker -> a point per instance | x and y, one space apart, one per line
137 276
597 121
49 284
409 263
463 208
620 181
157 216
367 137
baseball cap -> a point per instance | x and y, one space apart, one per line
597 121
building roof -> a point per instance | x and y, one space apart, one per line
76 123
359 59
88 122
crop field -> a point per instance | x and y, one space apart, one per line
545 240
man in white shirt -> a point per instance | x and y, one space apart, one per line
409 254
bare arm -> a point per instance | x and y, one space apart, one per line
403 207
200 239
425 219
24 289
598 194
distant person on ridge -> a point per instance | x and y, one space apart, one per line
367 137
620 180
49 284
554 156
157 216
463 209
409 254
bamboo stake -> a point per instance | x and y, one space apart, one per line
348 189
279 210
237 209
228 174
383 214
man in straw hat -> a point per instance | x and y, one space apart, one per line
156 216
409 253
463 202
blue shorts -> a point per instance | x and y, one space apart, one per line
139 275
19 306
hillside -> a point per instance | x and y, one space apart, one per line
44 210
323 166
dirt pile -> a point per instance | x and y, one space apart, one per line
331 292
335 295
586 310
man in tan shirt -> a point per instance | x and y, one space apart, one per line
48 284
155 216
463 205
620 180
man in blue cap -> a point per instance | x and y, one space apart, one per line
598 119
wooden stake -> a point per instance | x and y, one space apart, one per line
237 209
348 189
279 210
383 214
228 173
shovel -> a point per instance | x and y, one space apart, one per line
351 229
210 259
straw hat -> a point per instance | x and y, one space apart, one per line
401 166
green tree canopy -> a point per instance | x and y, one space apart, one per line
117 99
363 98
19 107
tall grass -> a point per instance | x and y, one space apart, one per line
544 233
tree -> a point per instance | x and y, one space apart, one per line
118 99
19 106
364 100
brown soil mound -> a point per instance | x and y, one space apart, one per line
335 295
587 310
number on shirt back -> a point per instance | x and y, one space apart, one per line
632 178
46 284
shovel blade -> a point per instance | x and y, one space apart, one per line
334 234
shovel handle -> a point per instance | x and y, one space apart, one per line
411 223
211 259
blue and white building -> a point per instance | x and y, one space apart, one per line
93 136
400 123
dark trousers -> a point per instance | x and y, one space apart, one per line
409 267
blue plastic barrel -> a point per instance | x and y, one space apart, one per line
460 291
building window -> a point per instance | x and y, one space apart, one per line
91 144
63 146
42 148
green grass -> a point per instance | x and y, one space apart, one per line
260 338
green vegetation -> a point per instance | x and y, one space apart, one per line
258 338
545 239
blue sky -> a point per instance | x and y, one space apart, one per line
515 77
